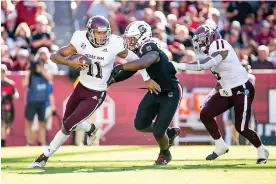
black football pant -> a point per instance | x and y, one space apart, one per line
162 106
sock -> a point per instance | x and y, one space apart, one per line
220 143
84 126
228 134
260 151
58 140
3 142
163 142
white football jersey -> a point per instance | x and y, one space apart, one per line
229 72
102 59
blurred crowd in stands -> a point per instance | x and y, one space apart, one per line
250 27
25 28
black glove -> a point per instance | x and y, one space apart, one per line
110 81
117 69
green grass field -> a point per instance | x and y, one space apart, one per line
134 165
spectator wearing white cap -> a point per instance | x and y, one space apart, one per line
43 55
263 61
22 60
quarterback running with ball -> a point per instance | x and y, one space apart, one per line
100 48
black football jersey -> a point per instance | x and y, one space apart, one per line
162 72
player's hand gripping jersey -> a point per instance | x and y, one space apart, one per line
102 59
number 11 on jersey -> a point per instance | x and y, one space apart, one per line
98 68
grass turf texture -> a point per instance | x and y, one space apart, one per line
134 165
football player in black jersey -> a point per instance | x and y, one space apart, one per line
161 105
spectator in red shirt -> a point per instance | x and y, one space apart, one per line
263 61
26 12
8 94
193 13
265 36
21 63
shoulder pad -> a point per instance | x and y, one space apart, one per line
148 47
219 45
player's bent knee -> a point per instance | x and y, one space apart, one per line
205 115
138 124
67 126
66 132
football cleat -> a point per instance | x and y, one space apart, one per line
40 162
164 158
172 137
216 154
264 159
91 136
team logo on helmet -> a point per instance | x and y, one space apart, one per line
142 29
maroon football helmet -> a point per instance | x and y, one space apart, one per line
203 37
98 30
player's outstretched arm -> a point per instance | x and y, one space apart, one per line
204 64
129 56
144 62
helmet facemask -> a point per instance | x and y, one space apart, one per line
201 42
99 41
131 42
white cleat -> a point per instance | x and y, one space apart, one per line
40 162
262 157
217 152
37 164
91 137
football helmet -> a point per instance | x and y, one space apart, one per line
203 37
136 34
98 24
